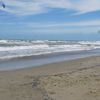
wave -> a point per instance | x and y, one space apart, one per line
20 48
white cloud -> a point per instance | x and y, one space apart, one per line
84 6
66 24
90 23
70 27
27 7
84 27
69 24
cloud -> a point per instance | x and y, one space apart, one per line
68 27
63 28
29 7
85 6
82 27
57 24
66 24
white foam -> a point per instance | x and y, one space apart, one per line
18 48
3 41
23 47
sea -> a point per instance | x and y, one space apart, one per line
17 54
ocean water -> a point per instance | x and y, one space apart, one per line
20 48
16 54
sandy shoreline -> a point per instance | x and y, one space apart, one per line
73 80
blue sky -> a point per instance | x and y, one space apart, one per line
50 19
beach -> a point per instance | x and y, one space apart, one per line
68 80
49 50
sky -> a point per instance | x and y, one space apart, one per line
50 19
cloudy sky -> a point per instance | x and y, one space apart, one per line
50 19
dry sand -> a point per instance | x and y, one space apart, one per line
69 80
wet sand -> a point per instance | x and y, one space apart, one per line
73 80
38 60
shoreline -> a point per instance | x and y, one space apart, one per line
56 81
53 65
35 61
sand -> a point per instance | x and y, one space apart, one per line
69 80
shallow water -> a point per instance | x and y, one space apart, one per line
33 61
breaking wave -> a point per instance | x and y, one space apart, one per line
21 48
